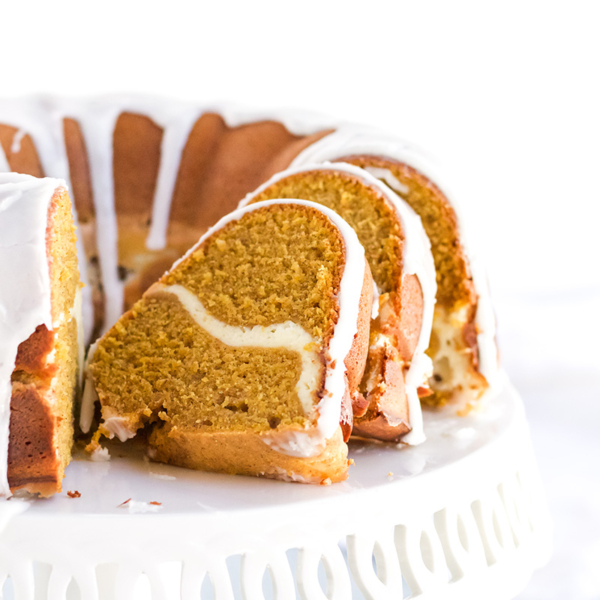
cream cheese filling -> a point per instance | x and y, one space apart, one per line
288 335
452 372
388 177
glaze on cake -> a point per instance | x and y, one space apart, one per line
39 335
246 356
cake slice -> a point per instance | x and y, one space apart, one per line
463 342
244 358
463 348
400 259
39 335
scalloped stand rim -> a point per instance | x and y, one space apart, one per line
461 516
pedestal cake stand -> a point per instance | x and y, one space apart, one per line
461 516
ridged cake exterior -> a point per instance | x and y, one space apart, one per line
40 341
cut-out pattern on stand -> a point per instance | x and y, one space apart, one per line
474 528
453 545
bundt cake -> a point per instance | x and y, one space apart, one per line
39 335
246 356
399 255
149 176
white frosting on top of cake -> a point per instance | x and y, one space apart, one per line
388 177
4 166
25 301
355 140
308 442
417 260
375 309
42 119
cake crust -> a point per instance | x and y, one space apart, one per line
33 462
237 452
44 375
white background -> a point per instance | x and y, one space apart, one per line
505 95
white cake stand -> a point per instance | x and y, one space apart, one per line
461 516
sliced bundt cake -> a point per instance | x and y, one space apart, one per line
39 335
463 346
398 253
246 356
150 175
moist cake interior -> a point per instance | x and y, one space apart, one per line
271 266
374 222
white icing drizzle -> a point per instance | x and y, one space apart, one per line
25 303
375 309
173 143
288 335
297 122
42 119
4 166
417 260
310 442
387 176
15 147
89 395
97 127
352 140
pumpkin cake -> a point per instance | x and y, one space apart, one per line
148 176
246 356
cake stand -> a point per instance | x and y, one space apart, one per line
461 516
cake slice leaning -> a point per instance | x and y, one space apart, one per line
40 337
245 356
400 259
463 342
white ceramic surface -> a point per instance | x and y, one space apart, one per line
461 516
